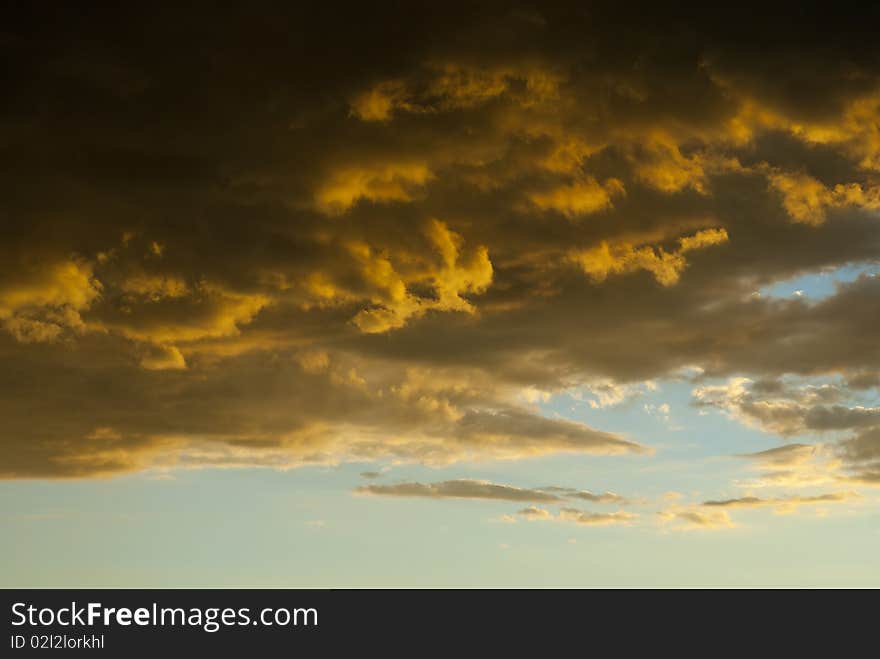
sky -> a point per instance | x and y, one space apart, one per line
551 294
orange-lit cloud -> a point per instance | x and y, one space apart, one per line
400 252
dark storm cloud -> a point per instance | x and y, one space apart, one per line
73 411
279 236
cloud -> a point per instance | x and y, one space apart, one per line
624 258
478 489
456 275
517 427
379 102
690 519
375 262
585 495
786 410
155 287
782 503
575 516
459 489
783 456
447 85
534 513
795 465
348 410
39 302
159 358
607 393
660 163
863 447
596 519
379 183
807 199
578 198
861 456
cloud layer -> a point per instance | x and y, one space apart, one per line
275 247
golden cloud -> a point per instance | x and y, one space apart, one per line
360 266
624 257
40 301
456 274
579 198
378 183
